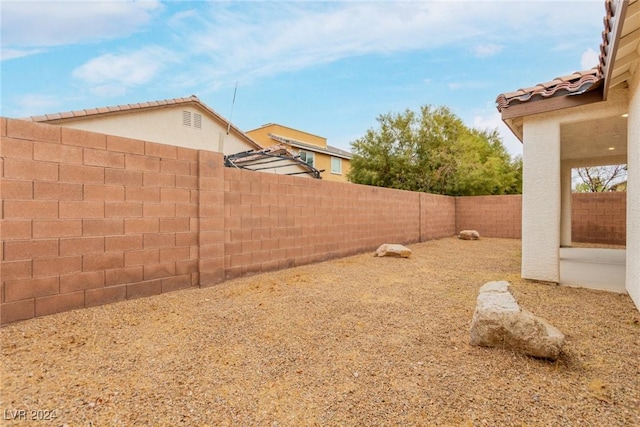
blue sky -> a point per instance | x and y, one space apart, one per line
328 68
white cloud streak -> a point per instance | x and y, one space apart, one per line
267 38
29 24
112 74
217 43
487 50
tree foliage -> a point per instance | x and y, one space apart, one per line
433 151
594 179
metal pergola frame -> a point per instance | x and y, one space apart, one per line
276 157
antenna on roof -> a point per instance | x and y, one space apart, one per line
232 104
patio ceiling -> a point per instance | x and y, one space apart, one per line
606 137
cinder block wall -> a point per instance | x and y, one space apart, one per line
89 219
275 221
491 216
599 218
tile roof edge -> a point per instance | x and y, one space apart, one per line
549 89
553 87
113 109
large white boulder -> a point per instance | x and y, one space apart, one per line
498 321
469 235
388 249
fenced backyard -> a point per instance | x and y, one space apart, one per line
89 219
304 327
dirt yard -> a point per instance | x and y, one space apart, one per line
358 341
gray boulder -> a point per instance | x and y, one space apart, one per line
498 321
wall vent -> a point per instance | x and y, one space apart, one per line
186 118
190 119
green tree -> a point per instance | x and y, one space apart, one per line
433 151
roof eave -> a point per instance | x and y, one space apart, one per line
610 50
552 104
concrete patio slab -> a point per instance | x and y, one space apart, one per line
593 268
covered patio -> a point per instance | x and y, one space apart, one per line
589 118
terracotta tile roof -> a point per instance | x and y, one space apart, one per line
576 83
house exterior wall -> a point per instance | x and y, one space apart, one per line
541 199
633 192
165 126
262 135
323 162
542 186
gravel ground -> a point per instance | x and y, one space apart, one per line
356 341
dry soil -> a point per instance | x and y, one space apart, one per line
361 341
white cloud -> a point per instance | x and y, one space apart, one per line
53 23
26 104
589 59
242 41
113 73
486 50
17 53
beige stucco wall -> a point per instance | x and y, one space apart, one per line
541 198
164 125
633 193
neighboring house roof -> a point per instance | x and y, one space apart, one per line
124 108
618 59
332 151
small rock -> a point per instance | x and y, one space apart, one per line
469 235
393 250
498 321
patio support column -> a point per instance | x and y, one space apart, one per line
633 193
565 221
541 201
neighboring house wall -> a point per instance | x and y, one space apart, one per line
633 192
174 124
262 135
